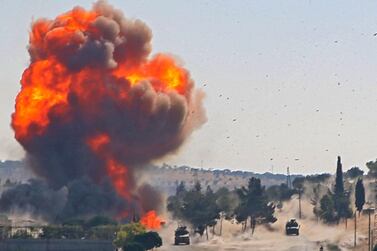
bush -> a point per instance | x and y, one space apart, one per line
127 234
133 246
149 240
62 232
333 247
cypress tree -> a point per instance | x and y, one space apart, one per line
359 195
339 186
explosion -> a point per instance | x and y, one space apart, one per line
94 104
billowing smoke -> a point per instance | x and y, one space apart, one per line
34 198
95 106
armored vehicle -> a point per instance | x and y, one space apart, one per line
292 227
182 236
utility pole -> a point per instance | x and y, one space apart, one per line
369 230
299 203
354 240
289 182
374 230
369 211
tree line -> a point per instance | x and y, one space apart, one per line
204 208
254 204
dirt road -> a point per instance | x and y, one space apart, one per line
312 235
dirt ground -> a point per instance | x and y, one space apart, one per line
313 234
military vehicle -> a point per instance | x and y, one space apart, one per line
182 236
292 227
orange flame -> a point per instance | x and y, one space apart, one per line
50 85
151 221
46 82
116 171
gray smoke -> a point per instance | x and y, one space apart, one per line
144 122
122 40
35 198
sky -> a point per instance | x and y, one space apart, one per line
288 83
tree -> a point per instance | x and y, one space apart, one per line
198 186
317 191
279 193
62 232
227 202
314 179
359 195
339 186
336 205
327 209
372 166
99 220
195 207
354 172
181 188
341 198
254 204
103 232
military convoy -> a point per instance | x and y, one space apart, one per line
182 235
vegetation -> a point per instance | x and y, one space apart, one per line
359 195
227 202
133 246
372 166
354 172
313 179
149 240
206 209
62 232
280 193
196 207
335 206
127 233
133 237
254 204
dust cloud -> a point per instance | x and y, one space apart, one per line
313 234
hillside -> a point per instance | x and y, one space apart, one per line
168 177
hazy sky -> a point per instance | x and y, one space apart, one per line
288 83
